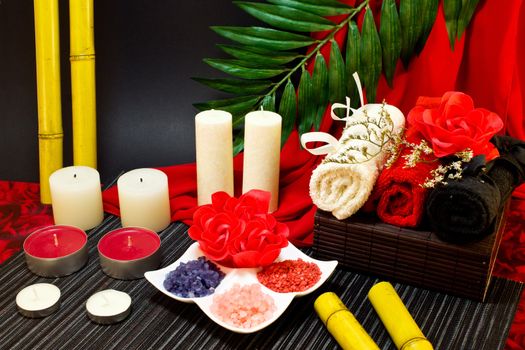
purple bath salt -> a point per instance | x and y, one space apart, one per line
194 279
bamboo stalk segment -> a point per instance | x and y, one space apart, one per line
82 57
50 135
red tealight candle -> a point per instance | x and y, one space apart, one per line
128 252
55 251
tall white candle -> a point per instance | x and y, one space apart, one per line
76 197
144 199
262 144
213 141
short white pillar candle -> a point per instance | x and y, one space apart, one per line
214 154
262 146
108 306
144 199
38 300
76 197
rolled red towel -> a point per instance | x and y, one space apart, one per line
398 197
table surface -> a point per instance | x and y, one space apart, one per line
157 321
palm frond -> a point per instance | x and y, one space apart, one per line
270 63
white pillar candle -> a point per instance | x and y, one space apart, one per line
144 199
108 306
214 154
76 197
262 145
38 300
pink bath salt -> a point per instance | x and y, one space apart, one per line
243 306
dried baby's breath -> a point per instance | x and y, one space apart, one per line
418 153
451 171
377 135
415 156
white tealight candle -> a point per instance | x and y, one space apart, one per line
108 306
38 300
144 199
262 145
76 197
214 154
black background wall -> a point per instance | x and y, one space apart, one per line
146 53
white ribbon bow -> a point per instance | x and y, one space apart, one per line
331 143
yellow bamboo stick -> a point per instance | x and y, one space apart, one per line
50 136
82 57
397 320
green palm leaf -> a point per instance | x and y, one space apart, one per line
215 104
411 27
237 86
243 69
265 38
305 103
269 62
333 3
452 9
260 56
288 110
336 75
429 10
321 8
353 43
465 15
268 103
320 86
390 35
286 18
238 142
370 69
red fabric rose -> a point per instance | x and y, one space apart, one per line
239 232
456 125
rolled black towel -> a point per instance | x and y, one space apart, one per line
465 210
510 166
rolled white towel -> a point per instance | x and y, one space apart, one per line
344 180
342 188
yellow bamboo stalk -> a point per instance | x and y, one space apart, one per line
82 57
50 136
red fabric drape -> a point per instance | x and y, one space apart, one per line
485 64
295 208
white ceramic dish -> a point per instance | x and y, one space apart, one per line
242 277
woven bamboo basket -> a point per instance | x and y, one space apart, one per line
420 258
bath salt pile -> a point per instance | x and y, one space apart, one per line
243 306
195 278
290 276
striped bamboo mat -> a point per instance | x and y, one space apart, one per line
158 322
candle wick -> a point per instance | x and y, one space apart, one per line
129 241
262 108
34 292
75 176
140 179
55 239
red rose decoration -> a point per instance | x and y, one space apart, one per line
456 125
239 232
